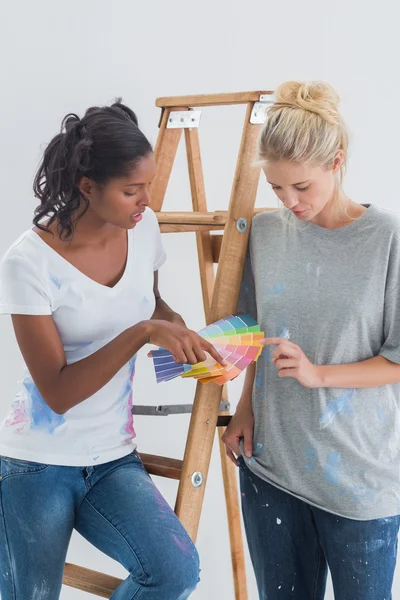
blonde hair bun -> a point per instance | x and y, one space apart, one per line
314 96
304 125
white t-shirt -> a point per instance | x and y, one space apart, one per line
36 280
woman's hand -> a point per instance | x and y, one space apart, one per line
241 426
291 361
185 345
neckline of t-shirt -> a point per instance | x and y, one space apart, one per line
109 289
325 232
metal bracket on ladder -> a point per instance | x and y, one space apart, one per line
170 409
184 119
259 112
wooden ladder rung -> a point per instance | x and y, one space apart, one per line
174 222
90 581
223 420
162 466
210 99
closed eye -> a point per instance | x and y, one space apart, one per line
304 189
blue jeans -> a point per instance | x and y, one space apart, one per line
115 506
292 544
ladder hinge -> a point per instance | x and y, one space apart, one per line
184 119
259 112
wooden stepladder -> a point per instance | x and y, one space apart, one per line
220 294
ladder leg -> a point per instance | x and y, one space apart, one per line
224 301
206 264
203 238
234 515
234 242
164 152
197 456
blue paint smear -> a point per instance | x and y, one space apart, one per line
132 364
332 467
127 387
361 494
311 458
126 390
278 289
55 280
381 414
266 354
43 418
259 379
284 333
335 407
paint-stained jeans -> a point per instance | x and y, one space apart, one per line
292 544
115 506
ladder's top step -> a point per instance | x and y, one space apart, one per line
209 99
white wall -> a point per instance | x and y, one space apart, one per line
60 56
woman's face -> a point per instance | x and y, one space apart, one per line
303 188
122 201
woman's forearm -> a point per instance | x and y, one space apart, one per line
370 373
165 313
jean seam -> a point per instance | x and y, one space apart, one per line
28 472
136 594
317 574
122 537
7 546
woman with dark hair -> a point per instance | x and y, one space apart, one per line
81 287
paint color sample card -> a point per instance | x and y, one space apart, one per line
237 339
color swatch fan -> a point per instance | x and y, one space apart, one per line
237 339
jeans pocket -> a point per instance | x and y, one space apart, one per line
14 466
135 457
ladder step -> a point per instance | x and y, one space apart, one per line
90 581
171 222
162 466
187 228
223 420
174 222
210 99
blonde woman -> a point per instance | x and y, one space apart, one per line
317 426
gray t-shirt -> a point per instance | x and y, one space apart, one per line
335 293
